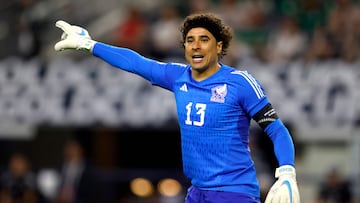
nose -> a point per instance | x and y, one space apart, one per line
195 45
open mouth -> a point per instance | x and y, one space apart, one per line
197 58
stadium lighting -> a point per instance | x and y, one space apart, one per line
169 187
141 187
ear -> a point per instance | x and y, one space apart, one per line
219 46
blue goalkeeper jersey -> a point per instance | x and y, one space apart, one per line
214 118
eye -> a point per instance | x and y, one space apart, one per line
204 39
189 40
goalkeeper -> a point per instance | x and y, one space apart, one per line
215 104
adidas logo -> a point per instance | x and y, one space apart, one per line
184 88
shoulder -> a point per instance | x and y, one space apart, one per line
245 82
240 76
174 64
176 68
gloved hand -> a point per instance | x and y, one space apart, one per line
285 189
74 37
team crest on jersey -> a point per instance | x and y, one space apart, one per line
218 93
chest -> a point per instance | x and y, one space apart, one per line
206 104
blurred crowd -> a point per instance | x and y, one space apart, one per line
78 177
73 181
276 31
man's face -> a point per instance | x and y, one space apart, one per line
201 49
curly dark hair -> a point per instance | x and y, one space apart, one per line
222 32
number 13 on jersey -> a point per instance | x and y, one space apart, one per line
199 111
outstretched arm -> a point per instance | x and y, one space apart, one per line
78 38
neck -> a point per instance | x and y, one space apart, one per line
203 74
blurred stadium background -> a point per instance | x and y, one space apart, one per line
305 52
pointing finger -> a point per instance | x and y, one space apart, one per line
66 27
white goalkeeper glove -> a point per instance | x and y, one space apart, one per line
285 189
73 37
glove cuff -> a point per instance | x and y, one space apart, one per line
86 45
285 170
